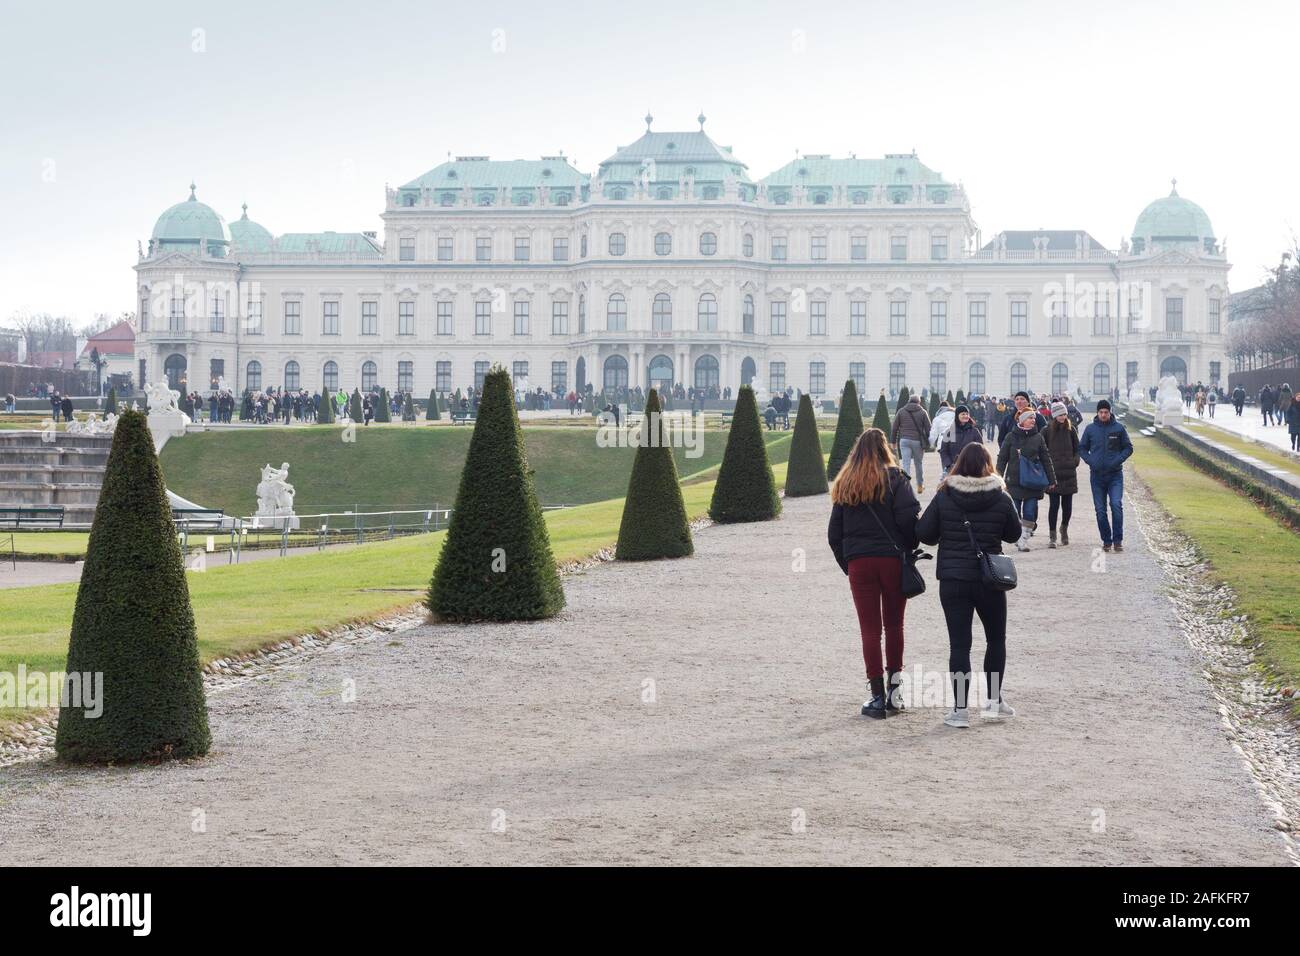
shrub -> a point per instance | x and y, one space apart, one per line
806 471
433 413
355 410
654 521
133 622
881 420
961 397
934 405
847 430
382 413
903 396
325 411
745 489
110 400
496 562
408 409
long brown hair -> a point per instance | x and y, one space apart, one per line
864 479
973 461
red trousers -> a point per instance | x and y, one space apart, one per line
877 589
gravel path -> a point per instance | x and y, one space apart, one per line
698 711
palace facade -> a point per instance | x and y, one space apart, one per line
670 264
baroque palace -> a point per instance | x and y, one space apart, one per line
670 264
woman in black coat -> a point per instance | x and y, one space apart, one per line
971 501
964 431
873 524
1025 440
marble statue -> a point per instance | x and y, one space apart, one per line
275 498
166 420
1137 394
1169 402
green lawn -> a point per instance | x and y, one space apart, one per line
1269 455
1247 549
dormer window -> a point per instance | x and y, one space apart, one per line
523 199
859 198
665 192
546 173
819 199
484 199
710 192
900 175
451 174
780 198
939 196
618 194
447 199
408 199
561 199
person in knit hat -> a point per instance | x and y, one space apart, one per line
1025 441
964 431
1063 445
1104 447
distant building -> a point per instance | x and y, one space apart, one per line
116 345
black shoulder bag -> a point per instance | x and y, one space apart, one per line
912 582
997 571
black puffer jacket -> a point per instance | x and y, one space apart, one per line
854 533
992 517
1030 444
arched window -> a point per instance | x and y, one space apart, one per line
747 315
617 243
615 372
1060 378
369 376
253 376
747 244
706 372
708 243
174 369
662 313
292 376
1101 379
978 378
1175 366
616 313
1019 377
330 378
708 313
747 370
663 244
661 373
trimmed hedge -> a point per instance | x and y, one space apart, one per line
496 562
325 413
934 405
903 396
133 622
382 413
881 420
355 410
110 401
806 473
746 488
847 430
654 523
432 413
408 409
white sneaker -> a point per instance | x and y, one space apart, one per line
957 717
997 710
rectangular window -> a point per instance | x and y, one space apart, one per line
520 374
939 247
217 317
1101 314
254 317
897 377
406 249
446 320
483 317
443 381
177 318
521 318
559 318
1216 369
293 316
776 377
369 318
1213 317
778 318
898 247
1019 317
1060 319
858 318
329 318
979 317
445 246
818 248
939 377
483 249
523 247
480 373
405 376
778 248
858 248
1135 310
817 378
817 317
144 315
1173 315
939 317
898 317
406 318
559 376
858 372
1130 374
560 248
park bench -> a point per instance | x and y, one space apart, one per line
192 518
461 418
47 516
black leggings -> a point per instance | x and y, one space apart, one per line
1062 503
961 601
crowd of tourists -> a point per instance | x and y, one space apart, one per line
983 500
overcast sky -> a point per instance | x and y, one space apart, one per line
1053 115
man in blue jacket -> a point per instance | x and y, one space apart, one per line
1009 422
1105 446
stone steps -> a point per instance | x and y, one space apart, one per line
67 471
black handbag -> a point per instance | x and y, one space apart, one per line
997 571
910 578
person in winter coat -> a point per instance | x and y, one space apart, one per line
910 432
1025 441
1012 418
963 432
1063 445
1072 411
971 500
944 416
1238 399
1266 400
1293 424
1104 448
872 527
1284 402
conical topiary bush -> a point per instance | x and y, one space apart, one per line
325 412
881 420
903 396
133 622
948 397
961 397
806 471
110 401
654 521
355 410
382 413
934 405
496 562
432 414
408 409
847 430
745 489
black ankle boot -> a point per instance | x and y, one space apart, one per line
893 693
875 708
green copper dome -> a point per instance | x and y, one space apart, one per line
250 236
185 224
1173 218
